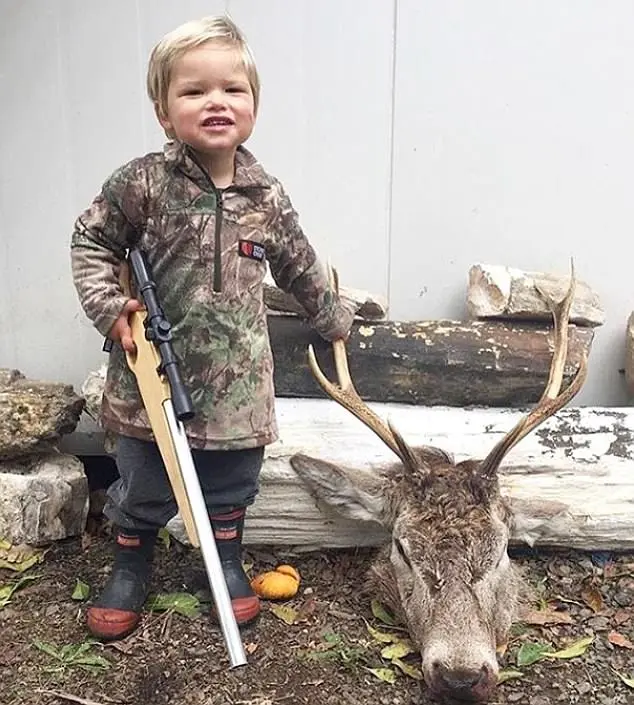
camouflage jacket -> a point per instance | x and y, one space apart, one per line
208 250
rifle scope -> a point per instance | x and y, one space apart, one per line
158 330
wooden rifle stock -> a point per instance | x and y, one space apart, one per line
168 404
155 391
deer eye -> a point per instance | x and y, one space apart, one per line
435 582
401 552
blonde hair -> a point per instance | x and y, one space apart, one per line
193 34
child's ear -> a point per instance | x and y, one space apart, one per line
164 121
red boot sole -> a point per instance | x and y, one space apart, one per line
111 624
246 610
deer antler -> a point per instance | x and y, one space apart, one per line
345 394
553 398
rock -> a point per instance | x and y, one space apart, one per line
624 596
539 700
599 624
42 499
8 377
502 292
34 414
92 391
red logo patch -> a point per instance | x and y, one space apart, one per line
251 250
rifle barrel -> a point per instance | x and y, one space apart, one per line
211 559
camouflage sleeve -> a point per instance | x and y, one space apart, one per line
298 271
99 241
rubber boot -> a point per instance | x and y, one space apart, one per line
118 610
227 530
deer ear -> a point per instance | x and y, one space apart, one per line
354 494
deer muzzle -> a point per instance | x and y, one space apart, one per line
463 685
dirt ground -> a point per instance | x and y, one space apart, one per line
323 657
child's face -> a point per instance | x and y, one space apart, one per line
209 101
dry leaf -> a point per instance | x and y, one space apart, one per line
541 617
593 598
19 558
251 647
398 650
577 648
306 609
622 616
629 682
6 591
285 613
383 637
382 614
620 640
383 674
408 669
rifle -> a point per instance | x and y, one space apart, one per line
168 404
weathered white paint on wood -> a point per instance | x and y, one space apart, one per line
572 481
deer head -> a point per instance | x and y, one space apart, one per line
446 571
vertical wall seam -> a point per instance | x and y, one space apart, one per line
390 180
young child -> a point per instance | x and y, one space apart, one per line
208 218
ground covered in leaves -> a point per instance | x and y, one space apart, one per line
329 645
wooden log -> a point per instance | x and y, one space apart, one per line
503 292
485 363
369 306
571 482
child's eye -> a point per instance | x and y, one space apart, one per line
192 92
235 89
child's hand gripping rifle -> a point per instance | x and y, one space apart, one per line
168 404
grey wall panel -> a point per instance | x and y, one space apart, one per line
325 122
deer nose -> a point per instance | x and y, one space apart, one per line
463 684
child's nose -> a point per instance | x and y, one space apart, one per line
216 97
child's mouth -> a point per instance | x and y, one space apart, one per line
217 122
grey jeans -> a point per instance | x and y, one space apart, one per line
142 497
